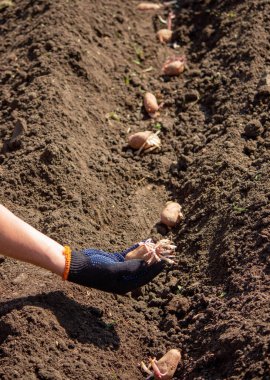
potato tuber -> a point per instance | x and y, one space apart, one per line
146 141
164 35
166 366
174 65
171 214
150 104
149 6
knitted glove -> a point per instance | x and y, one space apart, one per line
108 271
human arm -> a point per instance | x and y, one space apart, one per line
115 273
23 242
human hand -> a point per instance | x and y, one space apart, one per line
110 272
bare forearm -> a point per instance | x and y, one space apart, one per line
22 242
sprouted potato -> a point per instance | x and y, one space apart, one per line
144 141
171 215
165 367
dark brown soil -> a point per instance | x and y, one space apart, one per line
72 78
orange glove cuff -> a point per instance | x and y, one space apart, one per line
67 254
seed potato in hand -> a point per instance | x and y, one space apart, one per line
152 252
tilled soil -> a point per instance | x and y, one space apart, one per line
73 74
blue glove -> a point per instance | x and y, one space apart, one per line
109 271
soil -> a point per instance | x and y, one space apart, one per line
73 74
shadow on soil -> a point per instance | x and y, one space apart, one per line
83 323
